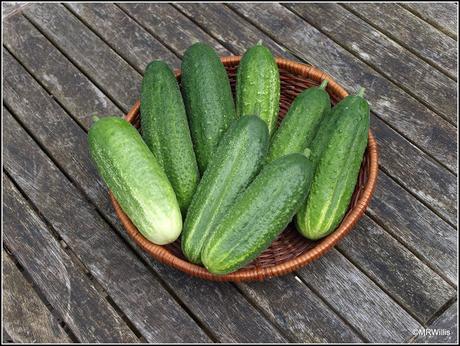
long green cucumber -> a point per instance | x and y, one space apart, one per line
337 155
238 158
208 99
258 85
135 178
301 122
165 130
259 215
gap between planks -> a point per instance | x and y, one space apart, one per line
74 119
376 68
73 257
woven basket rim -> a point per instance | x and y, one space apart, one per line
260 273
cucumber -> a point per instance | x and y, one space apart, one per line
208 99
237 160
337 153
259 215
165 130
301 122
258 85
135 178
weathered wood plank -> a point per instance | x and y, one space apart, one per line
364 305
63 284
411 32
441 15
58 75
408 71
396 107
225 323
87 51
127 37
430 182
415 226
298 311
25 316
407 279
443 330
114 265
170 26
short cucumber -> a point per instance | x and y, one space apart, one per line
135 178
258 85
259 215
301 122
165 130
237 160
337 152
208 99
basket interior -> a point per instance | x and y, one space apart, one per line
289 244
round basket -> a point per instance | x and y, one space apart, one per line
290 250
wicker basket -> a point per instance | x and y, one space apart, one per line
290 250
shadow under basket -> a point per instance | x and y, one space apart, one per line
290 250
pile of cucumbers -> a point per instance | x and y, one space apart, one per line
217 171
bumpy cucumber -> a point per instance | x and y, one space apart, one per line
165 130
301 122
337 153
237 160
136 179
258 85
208 99
259 215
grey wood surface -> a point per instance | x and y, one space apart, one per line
394 274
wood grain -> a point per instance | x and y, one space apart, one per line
25 316
411 32
359 300
415 226
66 288
87 51
443 16
46 186
407 279
423 81
298 311
123 34
389 102
443 330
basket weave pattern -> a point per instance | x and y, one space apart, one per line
290 250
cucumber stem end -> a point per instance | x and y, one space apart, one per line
361 92
323 84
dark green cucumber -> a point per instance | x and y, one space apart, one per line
135 178
258 85
259 215
239 156
165 130
208 99
301 122
337 154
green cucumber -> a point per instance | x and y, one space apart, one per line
301 122
238 158
337 153
135 178
208 99
165 130
259 215
258 85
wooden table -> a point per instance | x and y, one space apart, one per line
72 274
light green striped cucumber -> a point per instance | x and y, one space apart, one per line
208 99
258 85
301 122
165 130
135 178
238 158
337 151
259 215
